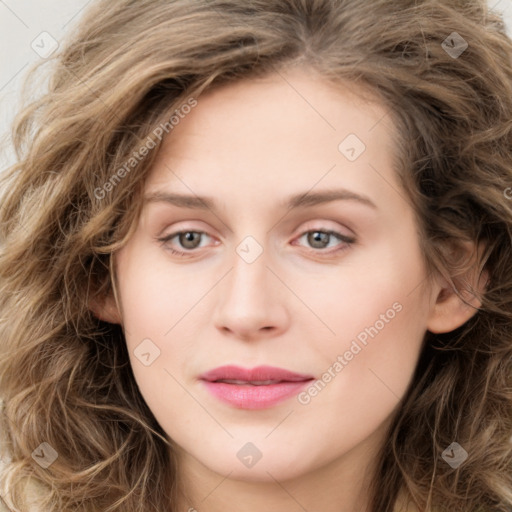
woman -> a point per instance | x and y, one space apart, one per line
257 257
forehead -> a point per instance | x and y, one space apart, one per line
289 129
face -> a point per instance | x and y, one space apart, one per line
305 258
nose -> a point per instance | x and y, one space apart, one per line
251 300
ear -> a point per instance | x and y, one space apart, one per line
450 310
105 308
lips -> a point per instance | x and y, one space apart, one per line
258 388
259 376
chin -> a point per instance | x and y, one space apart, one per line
269 468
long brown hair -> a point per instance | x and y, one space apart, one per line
443 68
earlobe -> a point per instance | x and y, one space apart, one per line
105 308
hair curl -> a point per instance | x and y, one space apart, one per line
65 376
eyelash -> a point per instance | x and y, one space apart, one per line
348 241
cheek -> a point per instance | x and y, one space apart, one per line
366 370
366 291
155 294
379 321
147 308
158 305
154 306
377 337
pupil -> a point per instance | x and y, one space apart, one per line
317 236
189 237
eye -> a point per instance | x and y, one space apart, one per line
317 238
187 239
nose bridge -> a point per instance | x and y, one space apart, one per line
249 278
249 297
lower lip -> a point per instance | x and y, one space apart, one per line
255 397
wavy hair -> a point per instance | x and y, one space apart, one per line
65 376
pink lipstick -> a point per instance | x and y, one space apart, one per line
256 388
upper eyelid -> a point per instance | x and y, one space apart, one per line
306 226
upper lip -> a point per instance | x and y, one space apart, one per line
257 374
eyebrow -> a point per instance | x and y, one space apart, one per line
304 199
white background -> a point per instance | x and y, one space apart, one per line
23 21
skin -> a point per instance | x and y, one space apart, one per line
250 145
